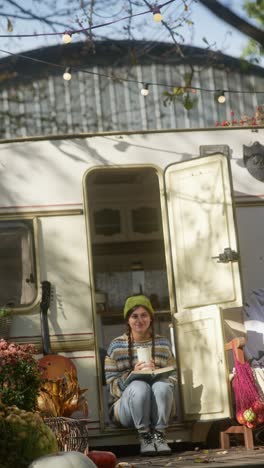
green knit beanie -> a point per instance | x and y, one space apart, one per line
137 301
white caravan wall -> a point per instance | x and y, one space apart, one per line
64 262
48 174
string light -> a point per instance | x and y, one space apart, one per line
145 90
220 97
68 34
67 74
67 37
157 16
194 89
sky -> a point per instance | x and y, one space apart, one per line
206 27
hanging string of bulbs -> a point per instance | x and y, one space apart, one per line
157 16
219 94
67 35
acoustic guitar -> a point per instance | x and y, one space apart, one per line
54 366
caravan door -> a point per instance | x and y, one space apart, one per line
206 274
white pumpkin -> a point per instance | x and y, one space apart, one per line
63 460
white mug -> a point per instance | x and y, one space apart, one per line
144 354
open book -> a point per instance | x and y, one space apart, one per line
150 375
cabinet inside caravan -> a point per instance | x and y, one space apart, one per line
126 245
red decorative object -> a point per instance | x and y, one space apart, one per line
260 418
258 407
103 459
245 120
249 405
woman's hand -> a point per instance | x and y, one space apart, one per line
142 365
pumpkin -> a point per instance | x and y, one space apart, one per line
65 460
103 459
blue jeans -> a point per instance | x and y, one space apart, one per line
145 406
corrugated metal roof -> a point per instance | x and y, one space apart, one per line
35 100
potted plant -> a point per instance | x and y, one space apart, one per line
23 434
20 376
23 437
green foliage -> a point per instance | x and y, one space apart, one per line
4 313
184 95
179 95
20 376
189 102
23 437
255 10
253 51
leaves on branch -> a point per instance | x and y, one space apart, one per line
180 96
9 25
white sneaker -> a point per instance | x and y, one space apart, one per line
161 443
147 445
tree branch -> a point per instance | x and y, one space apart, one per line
165 24
234 20
29 15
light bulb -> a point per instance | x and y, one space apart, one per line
145 91
157 16
221 97
67 74
67 37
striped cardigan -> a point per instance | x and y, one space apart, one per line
117 366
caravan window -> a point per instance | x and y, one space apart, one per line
17 264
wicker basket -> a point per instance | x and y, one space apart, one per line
71 434
5 323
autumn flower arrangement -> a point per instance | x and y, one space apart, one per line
23 434
20 375
23 437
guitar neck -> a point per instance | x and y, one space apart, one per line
45 333
44 307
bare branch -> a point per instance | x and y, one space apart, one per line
172 34
27 15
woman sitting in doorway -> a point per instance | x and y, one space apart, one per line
139 404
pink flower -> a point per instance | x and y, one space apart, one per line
244 119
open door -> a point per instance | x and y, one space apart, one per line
202 232
204 377
207 277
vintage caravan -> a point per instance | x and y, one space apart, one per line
175 214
